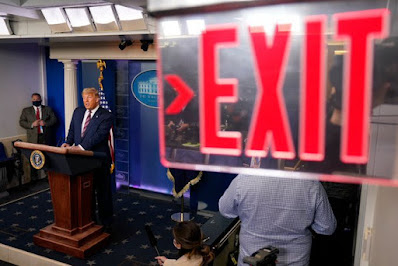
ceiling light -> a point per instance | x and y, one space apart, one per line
5 27
126 13
56 19
54 15
102 14
195 26
104 18
79 18
171 28
130 18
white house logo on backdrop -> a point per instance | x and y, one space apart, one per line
145 88
149 87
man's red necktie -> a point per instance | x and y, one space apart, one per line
38 118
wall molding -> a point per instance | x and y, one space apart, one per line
101 50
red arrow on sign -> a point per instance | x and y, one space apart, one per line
185 94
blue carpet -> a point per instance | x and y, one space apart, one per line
129 244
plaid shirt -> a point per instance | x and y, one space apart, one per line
278 212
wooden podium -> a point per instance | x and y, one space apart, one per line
71 183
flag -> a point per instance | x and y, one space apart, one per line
104 104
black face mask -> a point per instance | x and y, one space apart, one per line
36 103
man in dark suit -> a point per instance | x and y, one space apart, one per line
38 121
89 130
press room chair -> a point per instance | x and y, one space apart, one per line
6 167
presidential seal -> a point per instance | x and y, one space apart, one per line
37 159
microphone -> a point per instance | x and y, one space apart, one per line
152 239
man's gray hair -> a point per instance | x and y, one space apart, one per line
90 91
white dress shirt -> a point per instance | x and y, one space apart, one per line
86 114
85 118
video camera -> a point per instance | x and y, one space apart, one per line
263 257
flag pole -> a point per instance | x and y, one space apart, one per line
101 65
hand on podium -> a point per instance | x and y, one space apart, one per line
76 148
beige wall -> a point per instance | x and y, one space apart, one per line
379 212
385 234
20 76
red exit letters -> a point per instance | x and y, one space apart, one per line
269 127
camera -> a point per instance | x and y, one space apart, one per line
263 257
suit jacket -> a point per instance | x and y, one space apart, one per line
96 135
28 116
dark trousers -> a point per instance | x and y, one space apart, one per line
102 195
337 249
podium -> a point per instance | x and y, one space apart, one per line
71 184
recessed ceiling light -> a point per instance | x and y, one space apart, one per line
195 26
130 18
56 19
54 15
4 27
102 14
104 18
78 17
126 13
171 28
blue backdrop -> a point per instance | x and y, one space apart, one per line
55 95
138 148
145 169
89 75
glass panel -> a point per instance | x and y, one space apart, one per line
306 87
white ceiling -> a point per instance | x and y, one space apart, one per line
30 9
28 23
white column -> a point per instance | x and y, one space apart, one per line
70 88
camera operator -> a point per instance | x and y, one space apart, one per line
280 212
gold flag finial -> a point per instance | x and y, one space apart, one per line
101 65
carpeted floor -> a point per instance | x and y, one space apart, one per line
21 219
24 190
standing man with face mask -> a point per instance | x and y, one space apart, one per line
89 130
37 120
